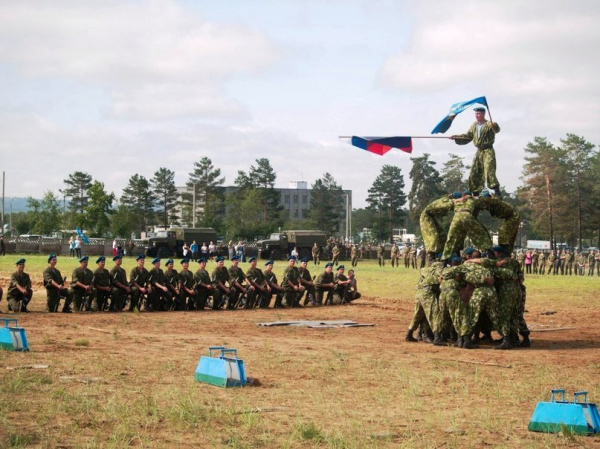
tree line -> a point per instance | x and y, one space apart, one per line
249 209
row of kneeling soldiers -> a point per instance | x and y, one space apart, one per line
158 290
464 300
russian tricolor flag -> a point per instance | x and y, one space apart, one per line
380 145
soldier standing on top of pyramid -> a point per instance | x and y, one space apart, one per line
483 170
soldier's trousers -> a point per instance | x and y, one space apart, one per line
458 310
158 300
20 301
278 298
543 268
335 260
219 298
321 291
509 302
535 267
289 299
484 299
53 296
426 306
464 224
185 301
521 323
136 297
202 295
118 299
432 233
483 171
100 301
354 261
82 300
310 295
569 269
254 298
381 261
591 270
316 260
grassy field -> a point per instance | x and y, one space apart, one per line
117 380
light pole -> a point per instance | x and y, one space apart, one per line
194 206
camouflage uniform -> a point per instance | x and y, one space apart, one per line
255 295
464 224
119 294
394 255
508 286
186 300
85 277
316 251
235 275
101 279
324 278
335 255
354 255
172 283
483 168
591 260
219 275
542 262
485 298
18 301
450 297
380 258
535 261
54 294
201 276
551 259
426 299
507 234
138 276
432 232
290 296
306 281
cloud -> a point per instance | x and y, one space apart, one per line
155 59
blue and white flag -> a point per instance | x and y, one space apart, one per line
456 109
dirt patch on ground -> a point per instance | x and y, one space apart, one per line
127 379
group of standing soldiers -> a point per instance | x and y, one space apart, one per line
472 295
158 290
563 262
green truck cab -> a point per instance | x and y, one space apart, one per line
169 243
281 244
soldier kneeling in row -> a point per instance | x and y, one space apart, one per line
55 289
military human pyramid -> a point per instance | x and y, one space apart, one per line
464 294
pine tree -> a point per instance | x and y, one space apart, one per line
78 184
165 191
453 173
386 198
139 200
98 210
207 182
326 204
426 185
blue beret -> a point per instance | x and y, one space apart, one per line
184 260
169 262
498 249
202 259
469 250
235 258
479 109
51 256
117 257
486 194
268 262
340 267
20 261
305 260
468 192
328 264
292 258
456 195
100 259
219 259
155 260
141 256
252 259
84 258
455 258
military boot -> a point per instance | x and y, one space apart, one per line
437 339
428 336
467 344
525 343
506 344
459 342
409 337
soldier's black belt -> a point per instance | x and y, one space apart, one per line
464 210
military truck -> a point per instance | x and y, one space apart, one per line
169 243
281 244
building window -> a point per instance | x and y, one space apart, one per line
295 199
286 199
304 213
304 199
296 213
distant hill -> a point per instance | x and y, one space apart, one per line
18 204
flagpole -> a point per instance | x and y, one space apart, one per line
412 137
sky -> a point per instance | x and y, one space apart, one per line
115 88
